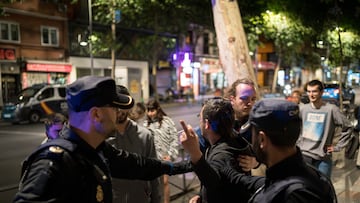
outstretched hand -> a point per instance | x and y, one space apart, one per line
190 142
247 162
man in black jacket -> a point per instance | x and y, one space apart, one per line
78 166
275 130
242 95
216 124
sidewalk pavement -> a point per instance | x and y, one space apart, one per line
346 181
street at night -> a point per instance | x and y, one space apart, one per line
60 58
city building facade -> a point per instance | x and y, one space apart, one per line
40 43
33 46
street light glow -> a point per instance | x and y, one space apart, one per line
83 43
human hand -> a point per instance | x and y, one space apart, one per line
195 199
247 162
190 142
166 158
329 149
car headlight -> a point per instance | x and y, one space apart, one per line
19 106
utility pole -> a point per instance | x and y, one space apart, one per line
113 36
90 34
337 11
341 70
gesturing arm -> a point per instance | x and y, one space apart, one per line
126 165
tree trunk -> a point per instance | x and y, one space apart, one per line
232 42
154 74
276 72
113 37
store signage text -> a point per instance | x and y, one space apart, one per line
7 54
60 68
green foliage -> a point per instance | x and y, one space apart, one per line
101 43
350 46
171 16
157 24
143 47
254 27
288 34
318 16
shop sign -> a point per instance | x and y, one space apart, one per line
42 67
185 79
7 54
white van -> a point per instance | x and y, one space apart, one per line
36 102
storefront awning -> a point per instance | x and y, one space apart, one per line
48 66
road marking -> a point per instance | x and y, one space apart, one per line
21 132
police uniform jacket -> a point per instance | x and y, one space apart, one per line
313 187
79 173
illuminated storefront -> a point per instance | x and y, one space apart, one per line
45 72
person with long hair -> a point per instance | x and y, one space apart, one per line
165 137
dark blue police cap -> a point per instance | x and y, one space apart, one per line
95 91
273 114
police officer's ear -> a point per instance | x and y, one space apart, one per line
95 114
263 139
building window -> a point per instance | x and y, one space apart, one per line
49 36
9 32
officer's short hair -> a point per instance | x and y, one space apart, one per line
279 119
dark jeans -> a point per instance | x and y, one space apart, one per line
324 166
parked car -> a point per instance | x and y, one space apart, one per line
332 93
34 103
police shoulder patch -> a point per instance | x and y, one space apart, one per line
56 149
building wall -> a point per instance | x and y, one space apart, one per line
30 46
30 15
123 73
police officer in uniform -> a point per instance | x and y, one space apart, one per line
77 166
